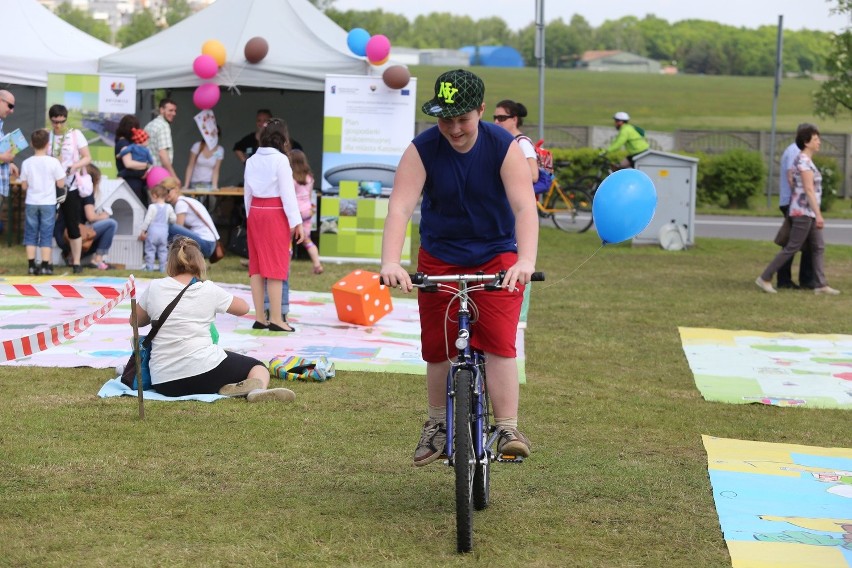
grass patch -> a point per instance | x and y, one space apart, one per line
656 102
617 478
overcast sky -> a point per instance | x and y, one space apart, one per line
798 14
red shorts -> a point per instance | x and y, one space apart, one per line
496 327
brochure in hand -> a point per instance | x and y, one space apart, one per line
15 141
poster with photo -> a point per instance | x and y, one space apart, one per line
95 106
367 127
206 122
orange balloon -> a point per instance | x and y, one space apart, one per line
380 63
214 49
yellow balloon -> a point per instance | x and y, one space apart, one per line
214 49
382 62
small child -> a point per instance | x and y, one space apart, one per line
155 228
303 179
41 175
139 152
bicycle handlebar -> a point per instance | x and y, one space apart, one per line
419 278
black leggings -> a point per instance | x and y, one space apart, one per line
72 213
233 369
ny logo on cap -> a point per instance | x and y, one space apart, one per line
446 91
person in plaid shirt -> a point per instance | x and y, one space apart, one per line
160 136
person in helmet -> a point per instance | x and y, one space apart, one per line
630 137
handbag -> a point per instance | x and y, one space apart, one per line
218 252
783 235
239 242
87 233
61 194
85 185
128 376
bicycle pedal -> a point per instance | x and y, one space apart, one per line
503 458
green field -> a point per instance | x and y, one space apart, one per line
656 102
617 478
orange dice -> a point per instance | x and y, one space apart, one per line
361 298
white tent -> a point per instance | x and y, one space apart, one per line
304 46
36 42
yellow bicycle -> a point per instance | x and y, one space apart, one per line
570 209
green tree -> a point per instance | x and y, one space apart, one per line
84 22
623 34
394 26
142 26
834 96
177 10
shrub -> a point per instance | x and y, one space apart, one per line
830 180
736 175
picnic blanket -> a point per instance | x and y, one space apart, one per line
114 387
779 369
782 504
391 345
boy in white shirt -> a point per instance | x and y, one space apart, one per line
40 176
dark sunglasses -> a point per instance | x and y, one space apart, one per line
502 117
8 104
63 121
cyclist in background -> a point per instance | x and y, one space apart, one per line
630 137
477 214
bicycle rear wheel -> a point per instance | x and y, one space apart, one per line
572 210
464 461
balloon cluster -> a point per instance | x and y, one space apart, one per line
212 58
377 51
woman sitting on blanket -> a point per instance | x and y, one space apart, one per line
184 359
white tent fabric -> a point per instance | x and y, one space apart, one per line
36 42
304 46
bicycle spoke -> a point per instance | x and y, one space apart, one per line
572 210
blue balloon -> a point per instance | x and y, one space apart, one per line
624 205
357 41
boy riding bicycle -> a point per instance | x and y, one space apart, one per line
477 213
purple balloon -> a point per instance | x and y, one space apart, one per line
205 66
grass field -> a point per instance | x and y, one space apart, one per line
656 102
617 477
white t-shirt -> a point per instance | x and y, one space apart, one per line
183 346
203 227
204 165
66 147
41 174
527 148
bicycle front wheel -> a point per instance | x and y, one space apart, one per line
464 460
482 471
572 210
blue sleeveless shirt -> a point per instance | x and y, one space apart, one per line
465 216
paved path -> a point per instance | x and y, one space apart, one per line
837 231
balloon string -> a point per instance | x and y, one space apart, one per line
232 83
536 289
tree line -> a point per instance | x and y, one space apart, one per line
693 46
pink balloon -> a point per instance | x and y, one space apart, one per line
156 175
378 48
206 96
205 66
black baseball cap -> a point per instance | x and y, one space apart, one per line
456 92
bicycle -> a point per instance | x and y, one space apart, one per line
591 182
569 209
470 434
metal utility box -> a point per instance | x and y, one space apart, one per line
674 177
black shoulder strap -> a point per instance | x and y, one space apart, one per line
156 325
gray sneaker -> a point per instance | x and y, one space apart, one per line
241 388
279 394
510 442
432 442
